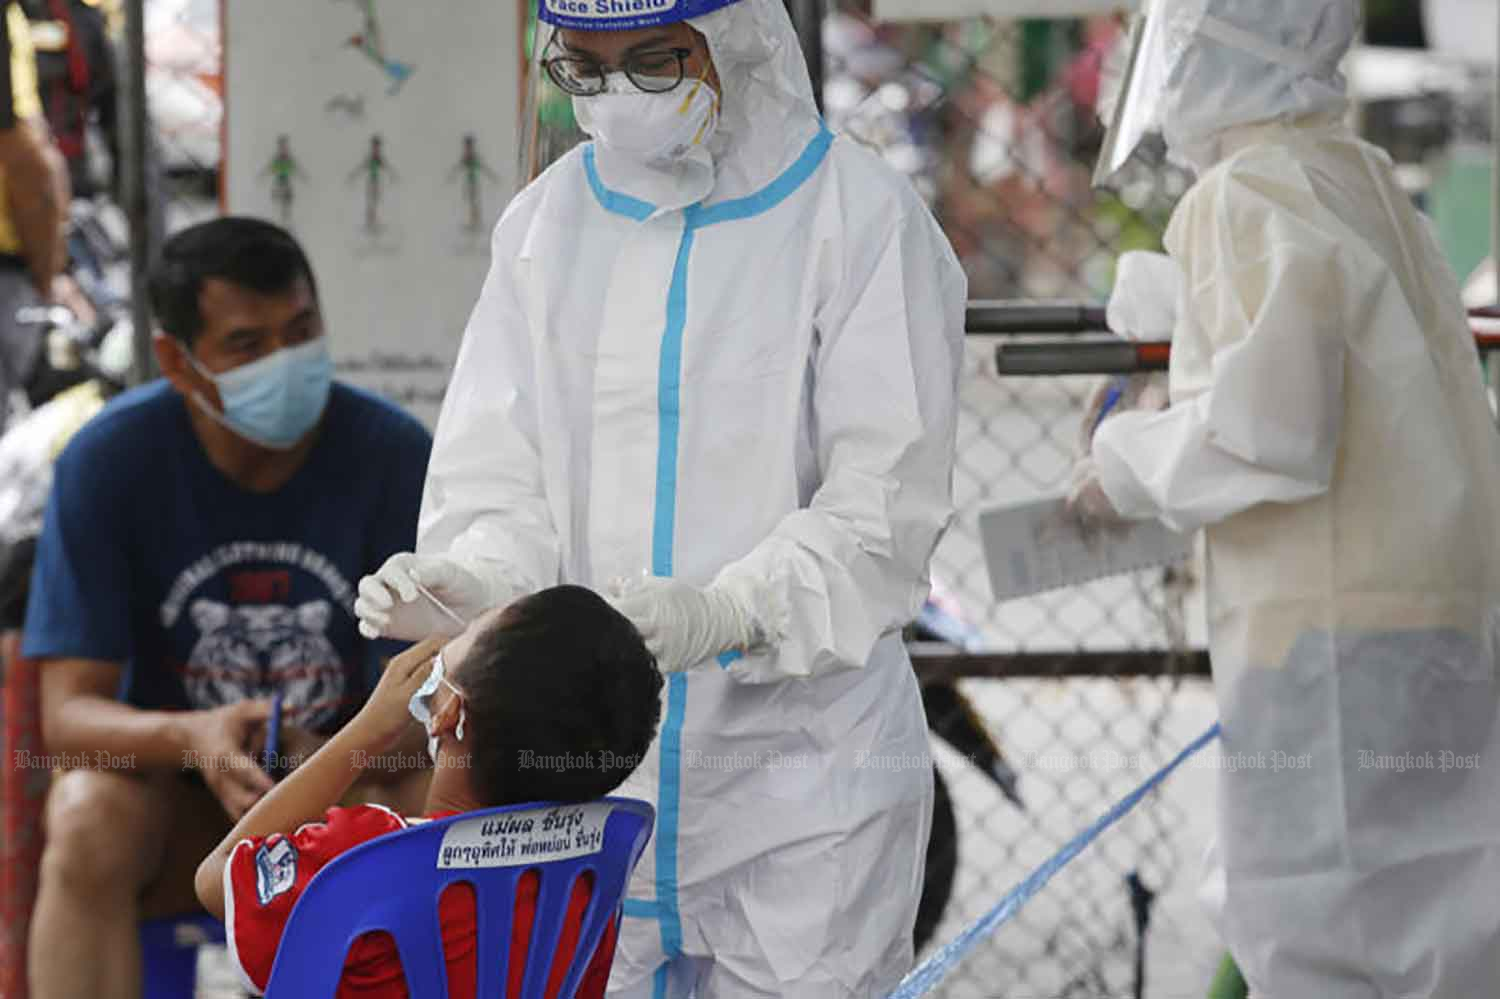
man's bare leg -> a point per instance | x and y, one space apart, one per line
108 837
106 834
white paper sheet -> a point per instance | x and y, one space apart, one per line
1037 546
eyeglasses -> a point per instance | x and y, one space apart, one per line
655 71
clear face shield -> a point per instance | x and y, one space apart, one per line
548 127
1136 115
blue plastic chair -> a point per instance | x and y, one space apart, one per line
169 953
393 883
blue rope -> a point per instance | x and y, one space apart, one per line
926 976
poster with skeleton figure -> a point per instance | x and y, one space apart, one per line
382 133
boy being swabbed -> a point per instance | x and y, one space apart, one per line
559 675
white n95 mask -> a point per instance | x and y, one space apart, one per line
651 128
420 704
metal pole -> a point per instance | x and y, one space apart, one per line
134 180
1495 171
1492 361
1049 357
1036 317
1080 357
807 17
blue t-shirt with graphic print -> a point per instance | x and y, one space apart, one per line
207 593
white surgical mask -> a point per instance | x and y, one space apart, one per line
651 128
420 705
275 401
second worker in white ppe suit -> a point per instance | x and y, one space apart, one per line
717 355
1330 431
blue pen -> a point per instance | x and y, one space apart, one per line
1111 400
273 735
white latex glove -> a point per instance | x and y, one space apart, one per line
1145 391
391 603
683 625
1087 500
1143 305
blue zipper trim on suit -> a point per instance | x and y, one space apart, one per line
698 216
669 424
669 410
772 194
669 800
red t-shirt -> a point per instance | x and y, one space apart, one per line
265 877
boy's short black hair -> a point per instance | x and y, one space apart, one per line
563 699
251 253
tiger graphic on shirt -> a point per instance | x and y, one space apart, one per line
253 650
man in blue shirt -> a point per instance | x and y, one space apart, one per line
202 546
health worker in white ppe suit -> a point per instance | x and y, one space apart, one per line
1329 430
717 355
